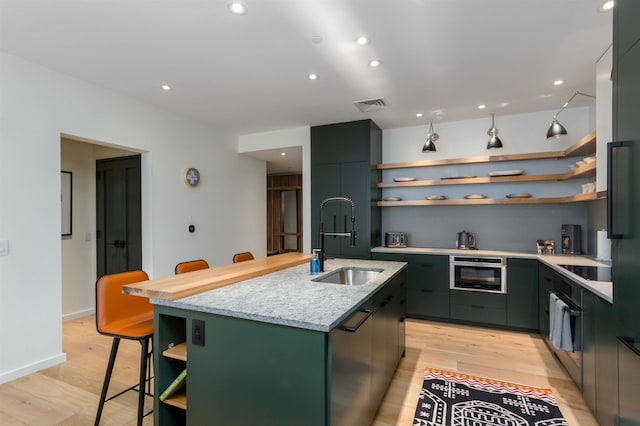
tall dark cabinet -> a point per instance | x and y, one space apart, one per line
343 159
625 211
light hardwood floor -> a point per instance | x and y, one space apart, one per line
68 394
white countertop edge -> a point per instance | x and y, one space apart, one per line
602 289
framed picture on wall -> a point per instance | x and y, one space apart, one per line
66 180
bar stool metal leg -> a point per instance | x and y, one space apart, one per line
144 353
107 378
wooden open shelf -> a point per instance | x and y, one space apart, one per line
585 146
588 170
491 201
178 399
179 352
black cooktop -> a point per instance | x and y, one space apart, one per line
591 273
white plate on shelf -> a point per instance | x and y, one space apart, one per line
580 163
404 179
475 197
393 199
506 173
589 160
436 197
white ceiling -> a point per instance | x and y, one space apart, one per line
247 74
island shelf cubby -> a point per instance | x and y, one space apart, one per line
170 362
584 147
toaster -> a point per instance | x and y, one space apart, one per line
395 239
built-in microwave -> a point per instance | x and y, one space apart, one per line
472 273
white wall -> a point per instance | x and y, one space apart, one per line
298 136
37 106
604 118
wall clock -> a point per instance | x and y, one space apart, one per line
191 176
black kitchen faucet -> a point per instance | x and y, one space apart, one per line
351 234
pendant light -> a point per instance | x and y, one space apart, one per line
429 145
555 128
495 141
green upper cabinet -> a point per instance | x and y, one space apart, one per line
342 164
522 293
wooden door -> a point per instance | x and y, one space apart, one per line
118 211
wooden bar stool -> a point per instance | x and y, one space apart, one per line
241 257
123 316
190 266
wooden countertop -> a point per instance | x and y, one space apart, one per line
183 285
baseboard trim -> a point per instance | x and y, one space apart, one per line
33 368
78 314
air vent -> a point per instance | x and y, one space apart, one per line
372 104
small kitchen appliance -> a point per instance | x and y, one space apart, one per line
571 239
466 240
395 239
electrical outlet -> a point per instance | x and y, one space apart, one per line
197 332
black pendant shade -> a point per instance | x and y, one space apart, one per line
495 141
555 128
429 145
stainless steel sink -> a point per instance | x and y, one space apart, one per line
349 276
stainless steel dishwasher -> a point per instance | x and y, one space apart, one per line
351 370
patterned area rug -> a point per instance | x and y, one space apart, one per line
455 399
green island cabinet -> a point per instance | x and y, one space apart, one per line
343 156
249 372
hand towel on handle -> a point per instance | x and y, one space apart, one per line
560 324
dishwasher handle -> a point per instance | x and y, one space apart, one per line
364 314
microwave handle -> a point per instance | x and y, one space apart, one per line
611 192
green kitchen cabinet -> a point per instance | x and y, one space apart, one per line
545 286
427 286
393 257
479 307
343 158
522 293
599 358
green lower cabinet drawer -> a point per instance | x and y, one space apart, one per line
427 303
472 306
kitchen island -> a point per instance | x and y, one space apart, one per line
281 348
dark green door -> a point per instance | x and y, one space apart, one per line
118 215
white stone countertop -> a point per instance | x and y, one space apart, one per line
290 297
603 289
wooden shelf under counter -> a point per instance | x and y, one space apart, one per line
178 352
491 201
178 399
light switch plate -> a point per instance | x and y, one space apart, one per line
4 247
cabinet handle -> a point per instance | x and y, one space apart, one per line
402 319
477 306
612 194
354 328
424 290
402 302
383 304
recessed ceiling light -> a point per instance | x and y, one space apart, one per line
316 39
419 115
607 6
558 82
362 40
166 87
375 63
313 76
283 154
504 104
237 8
483 106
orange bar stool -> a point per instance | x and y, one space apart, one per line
241 257
123 316
190 266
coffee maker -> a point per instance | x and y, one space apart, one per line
571 239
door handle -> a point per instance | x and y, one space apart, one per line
354 328
118 243
613 234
